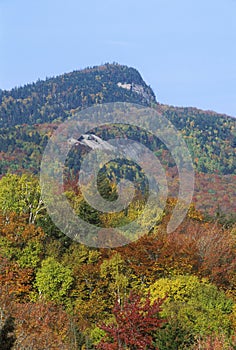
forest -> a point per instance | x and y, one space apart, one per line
163 291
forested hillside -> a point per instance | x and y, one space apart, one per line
56 98
163 291
29 113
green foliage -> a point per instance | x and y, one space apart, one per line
30 113
115 271
30 255
96 335
192 308
45 101
210 137
21 194
54 280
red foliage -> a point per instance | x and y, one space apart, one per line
135 323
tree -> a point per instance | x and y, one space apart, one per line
42 325
21 194
135 323
54 280
115 271
21 241
15 281
192 307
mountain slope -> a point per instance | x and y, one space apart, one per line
211 137
29 113
56 98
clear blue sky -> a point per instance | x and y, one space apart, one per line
184 49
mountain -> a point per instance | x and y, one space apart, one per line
56 98
29 114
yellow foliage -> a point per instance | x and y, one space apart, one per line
193 213
177 288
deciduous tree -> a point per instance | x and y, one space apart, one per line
135 323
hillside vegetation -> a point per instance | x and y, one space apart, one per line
163 291
29 113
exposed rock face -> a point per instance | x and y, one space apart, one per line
139 89
94 142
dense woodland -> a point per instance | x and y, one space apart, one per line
28 114
163 291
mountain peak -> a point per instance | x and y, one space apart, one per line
58 97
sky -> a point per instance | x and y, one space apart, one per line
185 50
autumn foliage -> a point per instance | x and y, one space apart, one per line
59 294
135 323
